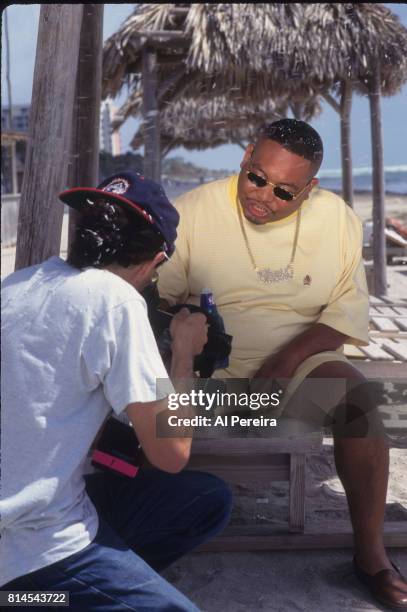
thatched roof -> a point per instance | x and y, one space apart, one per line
255 56
122 51
301 45
210 122
263 49
207 123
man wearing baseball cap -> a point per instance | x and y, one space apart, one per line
77 345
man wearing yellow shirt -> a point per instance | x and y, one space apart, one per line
283 259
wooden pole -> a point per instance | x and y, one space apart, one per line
296 108
8 77
40 215
84 162
14 185
151 127
379 239
346 147
331 101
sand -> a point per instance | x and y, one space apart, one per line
396 206
286 581
291 580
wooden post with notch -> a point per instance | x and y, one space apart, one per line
379 221
151 127
346 147
296 520
40 214
84 162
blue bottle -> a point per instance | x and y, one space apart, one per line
208 304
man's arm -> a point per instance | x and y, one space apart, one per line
316 339
171 453
173 282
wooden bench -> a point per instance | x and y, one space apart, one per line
283 457
277 459
241 460
388 336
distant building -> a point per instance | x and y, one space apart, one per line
108 142
20 119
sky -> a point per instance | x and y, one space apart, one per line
23 28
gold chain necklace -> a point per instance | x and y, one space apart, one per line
267 275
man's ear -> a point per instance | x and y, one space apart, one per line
148 267
313 183
158 259
247 155
144 271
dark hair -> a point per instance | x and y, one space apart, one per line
107 233
296 136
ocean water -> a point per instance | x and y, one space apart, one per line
395 178
395 181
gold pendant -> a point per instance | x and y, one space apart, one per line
268 276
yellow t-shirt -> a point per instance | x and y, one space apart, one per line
328 285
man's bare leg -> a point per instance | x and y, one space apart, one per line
363 467
362 464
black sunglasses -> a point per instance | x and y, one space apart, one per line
279 192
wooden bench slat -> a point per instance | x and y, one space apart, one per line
308 443
373 351
398 349
392 301
390 370
375 335
325 534
402 322
375 300
384 324
401 310
386 310
353 352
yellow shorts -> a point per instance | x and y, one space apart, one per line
307 366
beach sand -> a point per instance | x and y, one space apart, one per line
396 206
285 581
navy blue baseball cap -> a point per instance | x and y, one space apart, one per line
138 194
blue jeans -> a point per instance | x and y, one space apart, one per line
145 525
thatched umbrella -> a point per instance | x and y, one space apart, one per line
202 123
209 122
194 125
164 28
274 50
263 51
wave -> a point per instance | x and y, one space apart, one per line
363 171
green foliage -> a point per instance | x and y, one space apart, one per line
175 168
178 168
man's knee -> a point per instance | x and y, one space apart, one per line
337 396
357 415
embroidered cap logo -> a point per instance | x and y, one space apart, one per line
119 186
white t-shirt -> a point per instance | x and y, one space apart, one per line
75 345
